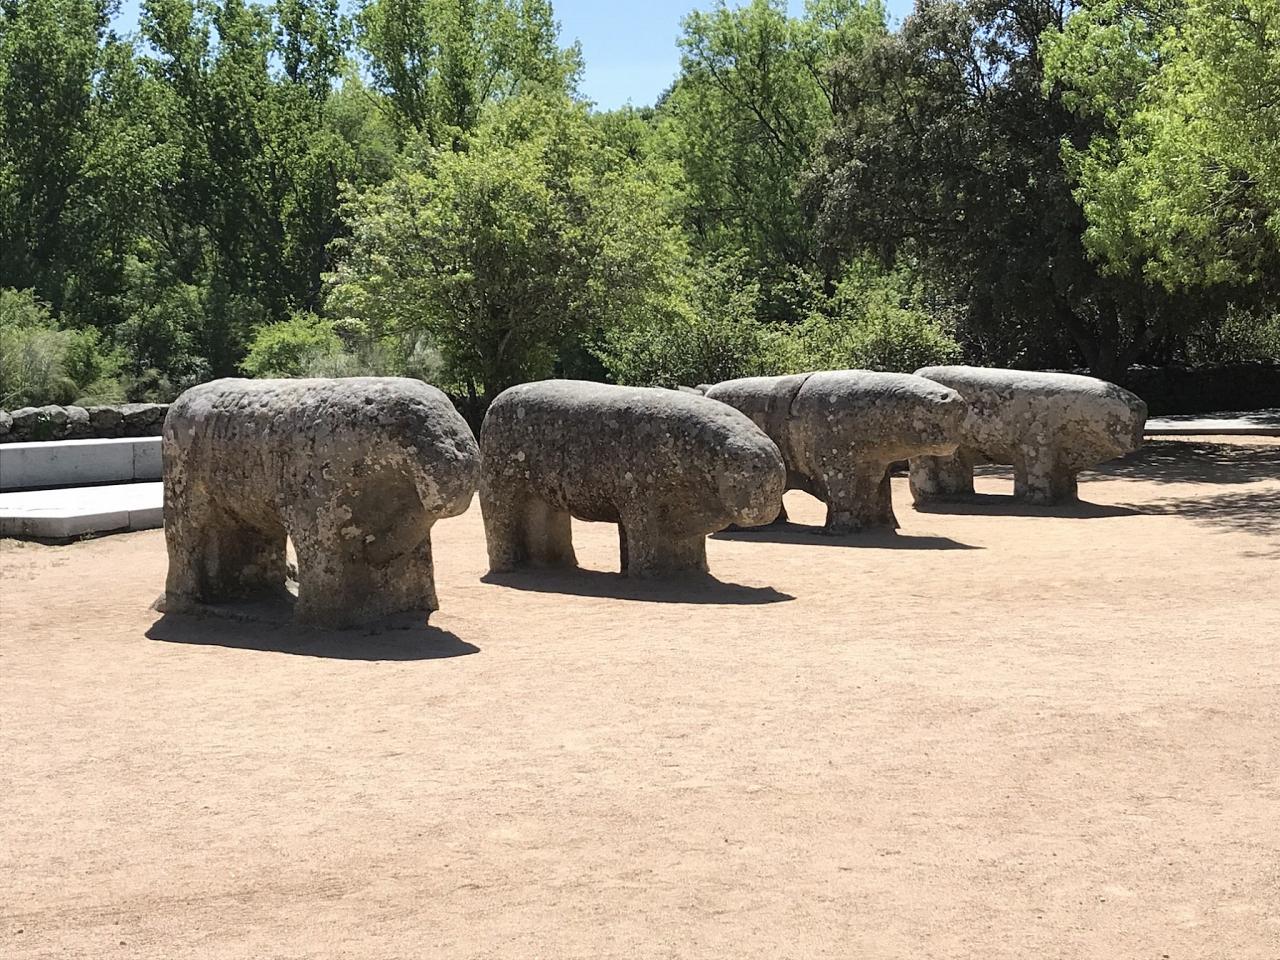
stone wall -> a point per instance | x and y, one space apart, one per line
1207 389
82 423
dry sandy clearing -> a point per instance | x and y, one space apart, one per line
1005 733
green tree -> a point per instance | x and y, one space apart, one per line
439 62
948 152
254 204
504 253
77 155
1181 181
752 101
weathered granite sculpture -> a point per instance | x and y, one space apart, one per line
667 467
355 471
1048 426
840 430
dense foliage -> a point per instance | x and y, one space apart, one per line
278 189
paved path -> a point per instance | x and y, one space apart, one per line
76 511
1251 423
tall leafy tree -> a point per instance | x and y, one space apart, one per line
753 98
77 155
507 251
1182 179
248 218
440 61
948 151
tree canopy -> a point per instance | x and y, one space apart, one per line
419 187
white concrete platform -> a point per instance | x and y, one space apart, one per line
75 512
76 463
1251 423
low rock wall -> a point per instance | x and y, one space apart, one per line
82 423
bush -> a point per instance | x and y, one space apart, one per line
872 323
40 364
290 348
715 335
1246 336
159 338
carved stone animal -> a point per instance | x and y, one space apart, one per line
668 467
840 430
354 471
1048 426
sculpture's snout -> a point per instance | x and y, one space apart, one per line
449 490
751 486
937 424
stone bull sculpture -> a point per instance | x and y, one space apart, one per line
840 430
667 467
355 471
1048 426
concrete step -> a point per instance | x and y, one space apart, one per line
75 512
77 463
1257 423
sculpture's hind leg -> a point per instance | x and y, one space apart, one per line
522 529
1041 479
548 535
216 555
938 478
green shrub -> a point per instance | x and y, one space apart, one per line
40 364
31 368
290 348
714 335
1247 336
872 322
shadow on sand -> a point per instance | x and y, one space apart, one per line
1001 505
1195 461
597 583
803 534
410 643
1257 513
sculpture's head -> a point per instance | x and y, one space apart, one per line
935 420
447 480
442 450
1122 422
750 477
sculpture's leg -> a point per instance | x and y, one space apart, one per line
860 499
185 526
503 513
548 535
522 529
650 551
1041 479
937 478
215 555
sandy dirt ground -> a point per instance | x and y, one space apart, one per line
1005 733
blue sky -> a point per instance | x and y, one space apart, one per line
629 45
